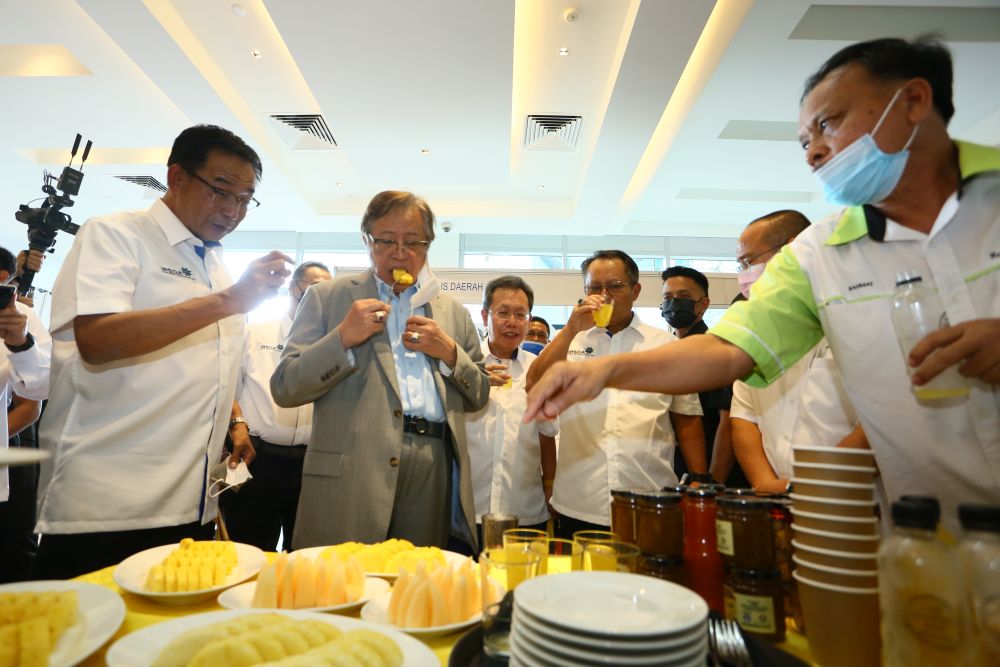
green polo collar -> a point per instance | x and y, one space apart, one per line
973 159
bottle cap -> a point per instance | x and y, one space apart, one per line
930 500
906 277
915 514
979 517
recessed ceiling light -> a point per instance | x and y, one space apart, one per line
239 10
425 151
340 184
256 53
541 187
564 51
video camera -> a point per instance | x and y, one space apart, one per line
48 219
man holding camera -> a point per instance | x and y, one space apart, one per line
148 335
24 369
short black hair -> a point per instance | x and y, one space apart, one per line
893 59
509 282
687 272
631 268
539 318
783 226
192 146
301 269
8 262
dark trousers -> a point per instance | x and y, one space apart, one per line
567 525
266 505
64 556
543 526
18 543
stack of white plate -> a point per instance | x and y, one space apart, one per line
607 618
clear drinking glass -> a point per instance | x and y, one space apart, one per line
502 570
494 526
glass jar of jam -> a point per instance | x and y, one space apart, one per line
744 533
671 569
702 563
756 600
623 506
781 517
659 524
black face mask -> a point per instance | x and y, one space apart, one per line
679 312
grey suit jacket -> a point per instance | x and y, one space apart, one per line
348 483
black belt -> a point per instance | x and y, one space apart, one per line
420 426
286 451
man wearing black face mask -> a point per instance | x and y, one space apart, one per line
685 300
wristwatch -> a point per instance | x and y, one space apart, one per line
29 342
237 420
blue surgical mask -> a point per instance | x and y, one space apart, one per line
533 347
862 173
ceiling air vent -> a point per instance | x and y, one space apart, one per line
304 132
145 181
552 133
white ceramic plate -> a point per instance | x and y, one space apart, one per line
450 557
17 456
140 648
240 597
586 641
376 610
613 604
131 573
101 613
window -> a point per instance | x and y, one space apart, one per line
332 259
706 264
645 262
490 260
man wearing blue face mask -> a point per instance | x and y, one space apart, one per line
876 111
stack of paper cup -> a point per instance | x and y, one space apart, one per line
836 538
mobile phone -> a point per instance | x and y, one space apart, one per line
7 294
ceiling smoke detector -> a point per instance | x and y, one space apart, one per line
571 15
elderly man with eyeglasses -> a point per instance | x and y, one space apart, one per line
621 439
391 365
147 331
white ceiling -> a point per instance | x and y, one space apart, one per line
655 81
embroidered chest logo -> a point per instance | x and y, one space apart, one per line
273 348
183 272
994 254
867 283
585 352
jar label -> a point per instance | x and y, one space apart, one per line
724 537
755 613
932 621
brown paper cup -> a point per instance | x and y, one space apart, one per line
836 576
825 539
846 560
835 473
843 623
837 490
836 524
833 506
834 455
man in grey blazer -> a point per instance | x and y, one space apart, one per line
391 367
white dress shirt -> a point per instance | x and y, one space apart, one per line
132 440
619 440
505 452
267 421
25 374
808 405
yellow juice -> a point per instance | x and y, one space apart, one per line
600 557
602 316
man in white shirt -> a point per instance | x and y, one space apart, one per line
147 331
513 463
874 126
808 404
24 369
263 508
621 439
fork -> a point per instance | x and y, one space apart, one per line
726 642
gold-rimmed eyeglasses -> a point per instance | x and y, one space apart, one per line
614 287
409 245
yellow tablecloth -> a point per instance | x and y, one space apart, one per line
141 612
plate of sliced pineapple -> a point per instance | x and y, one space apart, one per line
298 581
56 623
386 559
286 637
188 572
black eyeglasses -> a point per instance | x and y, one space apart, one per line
614 287
228 198
409 245
746 262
